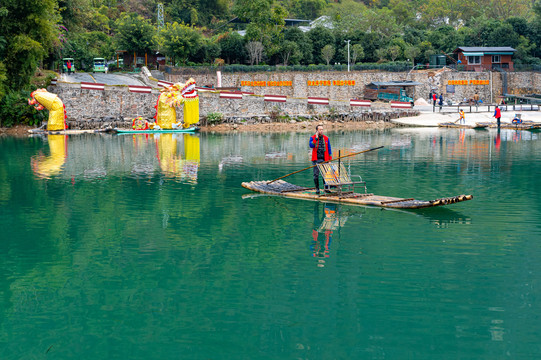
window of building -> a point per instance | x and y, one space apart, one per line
474 60
496 59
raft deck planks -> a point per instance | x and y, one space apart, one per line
463 126
283 188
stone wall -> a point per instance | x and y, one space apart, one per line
116 106
518 83
116 103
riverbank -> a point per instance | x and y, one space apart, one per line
425 119
304 126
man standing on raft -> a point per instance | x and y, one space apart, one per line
321 151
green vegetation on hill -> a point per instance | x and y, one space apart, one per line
38 33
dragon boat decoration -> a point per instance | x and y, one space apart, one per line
42 99
172 97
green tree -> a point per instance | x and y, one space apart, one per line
180 42
327 53
381 54
320 37
84 47
265 20
28 29
208 52
135 33
232 48
412 52
290 52
445 38
303 42
74 13
394 52
305 9
357 53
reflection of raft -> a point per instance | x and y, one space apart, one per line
131 131
464 126
286 189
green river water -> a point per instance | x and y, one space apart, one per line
143 247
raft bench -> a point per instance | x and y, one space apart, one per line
338 180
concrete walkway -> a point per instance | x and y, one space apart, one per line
431 119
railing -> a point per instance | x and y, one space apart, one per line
475 108
391 67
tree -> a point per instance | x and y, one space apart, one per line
303 42
394 52
233 49
84 47
320 36
381 54
290 52
357 52
255 51
306 9
135 33
28 32
412 52
327 53
180 42
265 22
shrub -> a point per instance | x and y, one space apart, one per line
214 117
14 109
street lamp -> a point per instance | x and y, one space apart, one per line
348 51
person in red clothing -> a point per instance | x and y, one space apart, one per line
434 98
321 151
497 115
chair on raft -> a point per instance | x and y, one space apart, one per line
337 180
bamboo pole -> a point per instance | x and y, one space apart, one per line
339 157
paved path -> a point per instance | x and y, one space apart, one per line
108 79
428 118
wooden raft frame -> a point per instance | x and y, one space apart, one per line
285 189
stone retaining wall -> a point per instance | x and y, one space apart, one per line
518 83
116 106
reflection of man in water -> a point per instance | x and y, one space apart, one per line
322 234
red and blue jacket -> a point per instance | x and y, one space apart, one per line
497 113
314 143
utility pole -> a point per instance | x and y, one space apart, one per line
160 17
348 51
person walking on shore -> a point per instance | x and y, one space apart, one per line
321 151
462 118
434 99
497 115
68 65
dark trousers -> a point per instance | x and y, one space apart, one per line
316 172
498 121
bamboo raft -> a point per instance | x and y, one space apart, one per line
525 125
66 132
283 188
477 126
